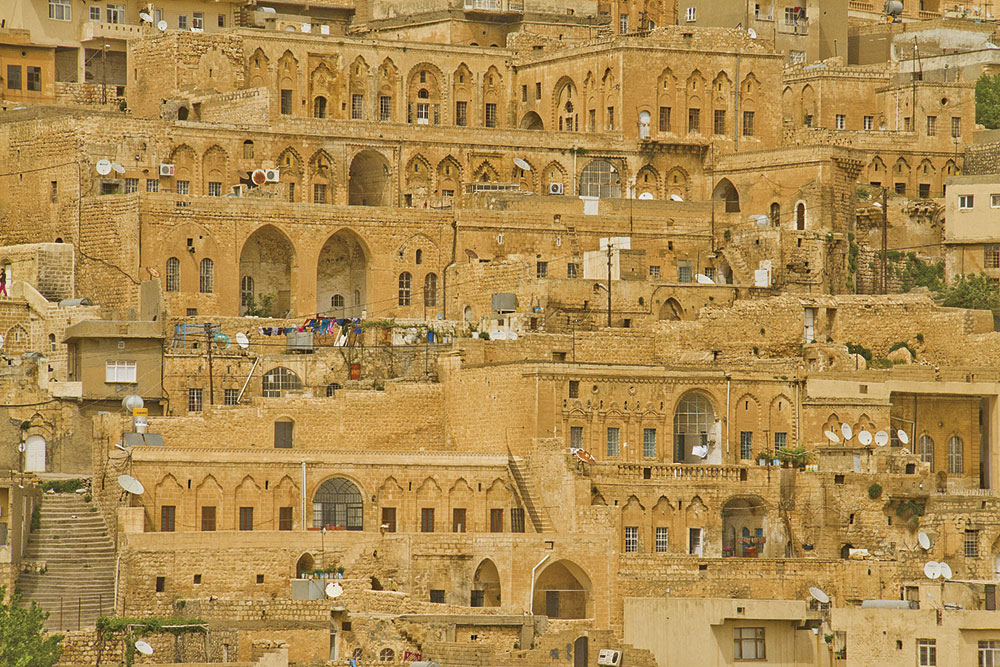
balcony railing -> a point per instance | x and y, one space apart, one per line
499 6
91 30
662 471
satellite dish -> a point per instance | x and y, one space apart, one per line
221 341
865 438
819 595
752 33
585 456
1 341
161 26
846 431
923 540
242 340
676 198
132 402
893 8
832 436
878 205
117 168
522 164
881 438
143 647
703 279
131 484
334 590
104 167
945 570
146 18
646 196
903 438
259 177
932 570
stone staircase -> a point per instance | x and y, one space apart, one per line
528 493
742 274
78 583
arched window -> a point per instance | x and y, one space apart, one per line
419 254
800 216
338 503
726 191
331 389
207 275
405 281
776 214
52 342
600 178
337 301
173 280
925 448
423 94
279 380
386 655
693 422
430 290
956 463
319 107
357 297
246 290
247 150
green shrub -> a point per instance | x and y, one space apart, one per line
854 348
875 491
64 485
900 345
36 518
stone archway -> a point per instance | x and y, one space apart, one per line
339 504
369 181
486 585
726 191
267 269
743 527
532 121
671 310
304 564
563 590
342 275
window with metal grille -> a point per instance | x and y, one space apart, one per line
684 271
623 24
576 437
517 520
956 127
183 187
614 440
283 434
662 539
925 449
600 178
152 185
691 14
338 503
971 543
131 185
208 518
664 119
694 121
611 118
869 122
168 513
649 442
284 518
384 108
956 462
119 371
230 396
926 653
248 150
461 113
748 644
214 189
574 389
748 117
388 519
496 520
60 10
840 121
430 290
491 115
246 290
279 380
541 269
780 439
427 520
572 270
719 121
319 193
746 444
194 400
631 539
405 282
476 599
207 276
331 389
14 77
989 653
457 520
991 258
357 106
246 518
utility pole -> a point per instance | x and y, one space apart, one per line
885 238
211 380
610 251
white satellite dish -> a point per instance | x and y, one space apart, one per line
161 26
646 196
752 33
132 402
832 436
1 341
881 438
104 167
903 438
522 164
878 205
146 18
865 438
131 484
703 279
143 647
819 595
242 340
676 198
923 540
945 570
117 168
932 570
845 430
334 590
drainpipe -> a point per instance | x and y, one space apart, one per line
531 602
729 390
444 274
303 494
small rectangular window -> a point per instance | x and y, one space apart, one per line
230 397
631 539
541 269
694 121
384 108
152 185
437 596
956 127
222 20
14 77
198 21
931 126
748 644
458 524
691 14
131 185
989 653
719 121
991 259
461 114
214 189
517 520
966 202
182 22
194 399
491 115
246 518
576 437
572 270
869 122
662 541
748 118
284 518
840 121
116 14
654 271
524 93
168 514
319 193
427 520
614 441
684 272
496 520
183 187
611 118
389 519
119 371
780 439
161 584
623 24
357 107
746 444
283 434
286 101
60 10
664 119
971 543
649 442
208 518
926 653
54 190
694 541
994 201
574 389
538 90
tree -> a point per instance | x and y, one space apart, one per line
973 291
23 642
988 101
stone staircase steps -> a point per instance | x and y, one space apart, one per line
528 492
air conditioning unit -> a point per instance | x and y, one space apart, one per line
610 657
166 170
240 190
555 188
271 175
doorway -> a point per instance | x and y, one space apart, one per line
580 652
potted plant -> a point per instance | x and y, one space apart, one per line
763 457
340 571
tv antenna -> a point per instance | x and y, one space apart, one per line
818 595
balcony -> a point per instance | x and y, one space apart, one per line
91 30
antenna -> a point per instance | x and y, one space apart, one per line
819 595
103 167
161 26
832 436
846 431
932 569
131 484
752 33
923 540
334 590
146 18
881 438
945 570
117 168
903 438
522 164
143 647
865 438
242 340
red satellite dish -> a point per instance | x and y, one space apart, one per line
585 456
258 177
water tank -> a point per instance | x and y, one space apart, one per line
299 341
